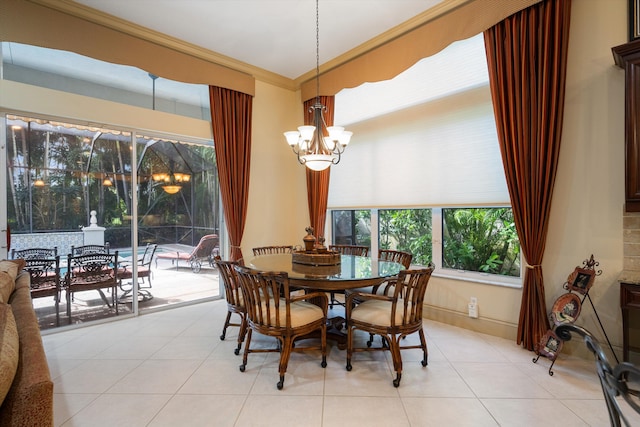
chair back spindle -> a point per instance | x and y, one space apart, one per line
350 249
267 250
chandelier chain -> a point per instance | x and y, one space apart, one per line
318 146
317 52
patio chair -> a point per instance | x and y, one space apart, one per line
285 318
207 249
94 271
45 279
125 272
392 317
34 253
235 302
90 249
622 380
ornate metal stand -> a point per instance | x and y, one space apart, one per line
580 281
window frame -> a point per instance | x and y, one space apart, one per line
436 242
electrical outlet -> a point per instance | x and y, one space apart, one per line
473 311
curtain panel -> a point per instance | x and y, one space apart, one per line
527 60
231 124
318 181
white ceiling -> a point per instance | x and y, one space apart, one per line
275 35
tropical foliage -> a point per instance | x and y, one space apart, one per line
75 163
481 239
407 230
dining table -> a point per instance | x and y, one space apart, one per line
351 272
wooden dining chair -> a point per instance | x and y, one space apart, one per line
286 318
392 317
385 287
45 279
346 250
267 250
235 301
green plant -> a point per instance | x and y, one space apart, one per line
481 239
407 230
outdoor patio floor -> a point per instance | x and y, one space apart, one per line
169 286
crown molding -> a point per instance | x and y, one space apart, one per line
109 21
117 24
441 9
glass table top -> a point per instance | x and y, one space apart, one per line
351 267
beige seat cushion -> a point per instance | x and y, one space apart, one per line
9 349
377 312
302 313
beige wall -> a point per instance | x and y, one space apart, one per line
277 212
588 202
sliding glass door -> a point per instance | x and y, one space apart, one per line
71 185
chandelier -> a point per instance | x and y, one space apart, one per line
318 146
172 182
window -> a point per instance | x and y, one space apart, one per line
480 239
478 244
82 75
351 227
59 173
406 230
427 138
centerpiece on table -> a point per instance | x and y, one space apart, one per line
315 253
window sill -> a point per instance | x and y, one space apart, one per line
482 278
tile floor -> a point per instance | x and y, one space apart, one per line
170 368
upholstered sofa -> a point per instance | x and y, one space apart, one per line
26 389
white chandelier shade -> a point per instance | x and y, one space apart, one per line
318 146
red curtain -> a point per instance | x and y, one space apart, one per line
231 124
527 59
318 181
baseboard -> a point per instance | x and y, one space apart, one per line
575 347
462 320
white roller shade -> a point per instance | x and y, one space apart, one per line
441 151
